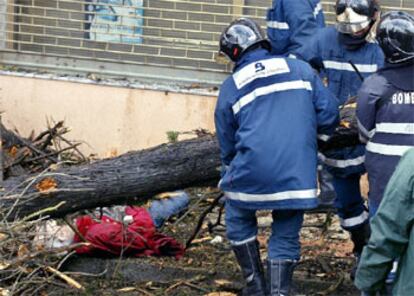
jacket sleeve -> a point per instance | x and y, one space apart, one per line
390 227
327 109
380 58
366 112
310 52
302 23
225 126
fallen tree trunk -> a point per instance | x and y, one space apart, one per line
9 138
131 177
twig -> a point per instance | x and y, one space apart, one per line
52 132
31 182
71 282
324 264
201 220
118 264
195 287
74 148
38 288
333 287
51 153
74 228
211 226
64 259
189 211
35 149
31 256
40 212
173 286
44 133
144 292
88 274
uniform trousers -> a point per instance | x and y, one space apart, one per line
241 227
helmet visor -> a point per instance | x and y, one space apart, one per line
350 22
362 7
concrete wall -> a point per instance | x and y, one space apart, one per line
112 120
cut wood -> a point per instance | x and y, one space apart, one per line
131 177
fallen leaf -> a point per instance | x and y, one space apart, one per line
2 236
13 151
222 283
46 184
22 251
4 292
53 167
3 266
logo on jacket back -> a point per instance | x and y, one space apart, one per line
260 69
400 98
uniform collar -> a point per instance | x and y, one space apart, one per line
400 75
250 57
351 42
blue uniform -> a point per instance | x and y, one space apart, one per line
291 24
385 114
334 52
267 118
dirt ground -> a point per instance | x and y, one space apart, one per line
209 266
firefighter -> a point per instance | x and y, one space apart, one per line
385 108
291 24
344 57
267 117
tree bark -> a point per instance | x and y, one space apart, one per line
9 138
131 177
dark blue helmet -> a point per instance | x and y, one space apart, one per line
395 35
241 35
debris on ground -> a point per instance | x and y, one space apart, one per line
40 257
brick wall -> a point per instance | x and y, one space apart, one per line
176 33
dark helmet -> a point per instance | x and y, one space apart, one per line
354 16
241 35
395 35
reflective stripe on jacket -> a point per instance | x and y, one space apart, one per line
290 24
267 118
385 112
343 82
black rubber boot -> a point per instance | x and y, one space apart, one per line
327 195
360 237
279 276
248 257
